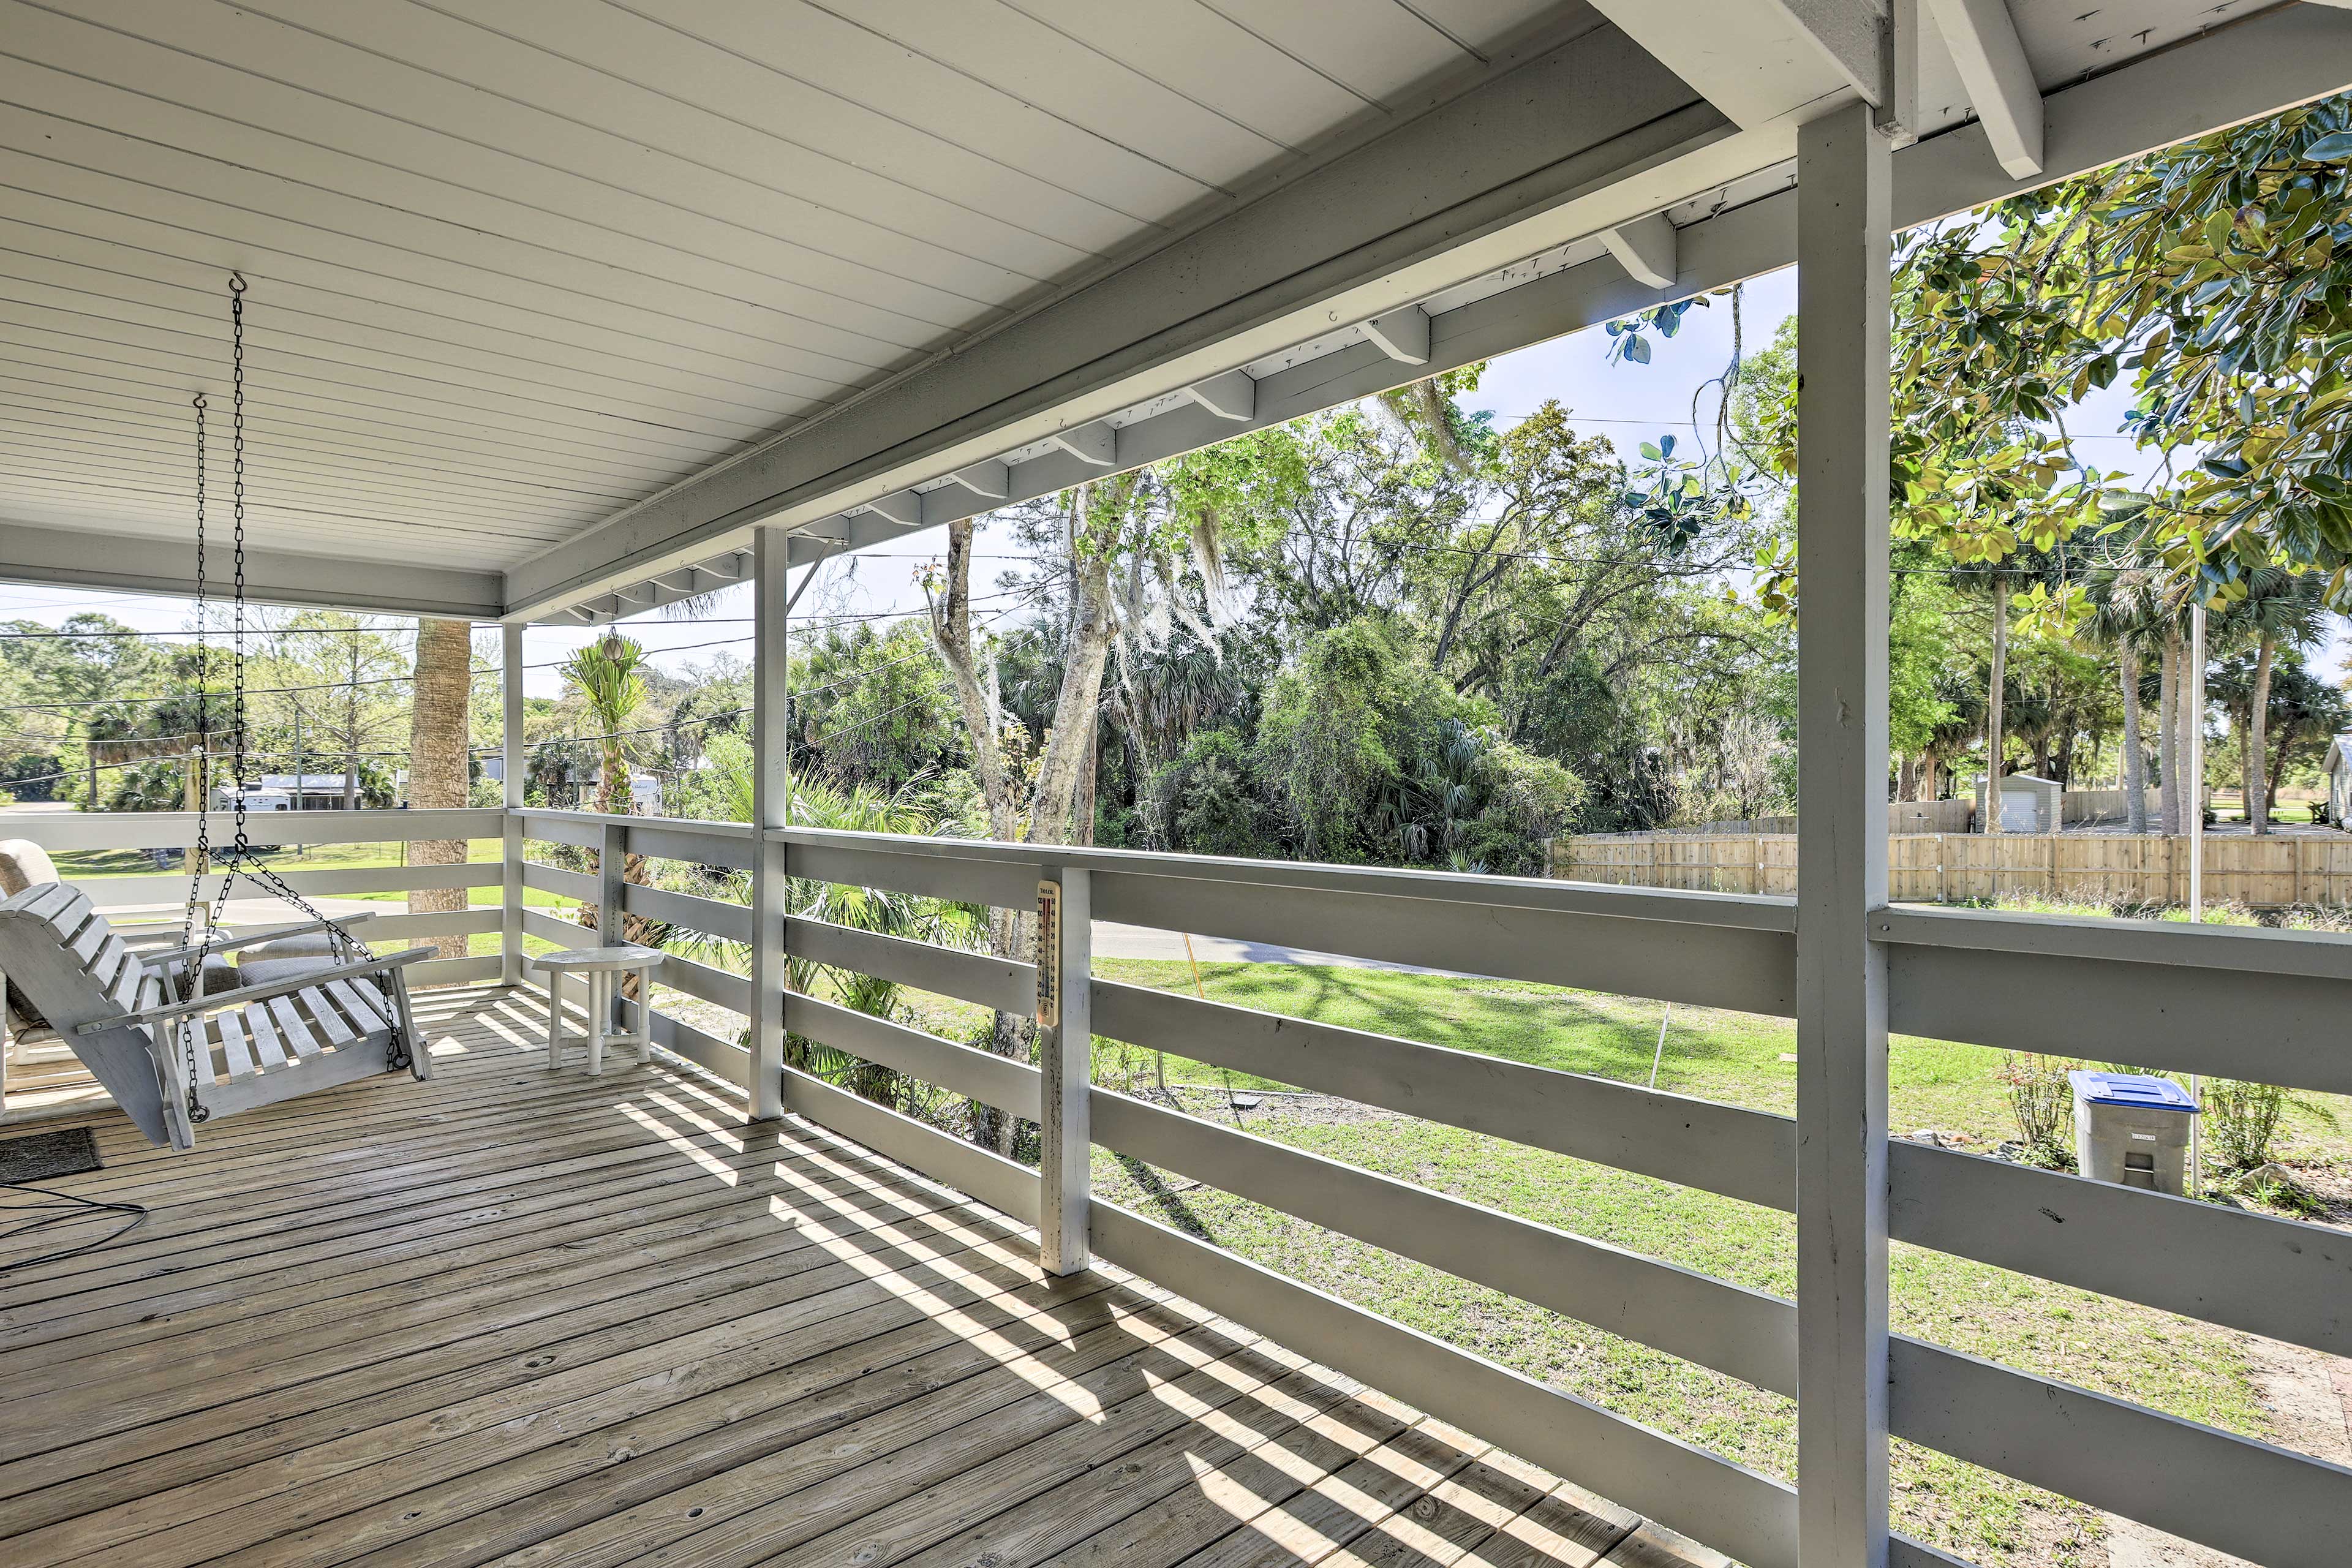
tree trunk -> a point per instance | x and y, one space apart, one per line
440 686
1995 691
951 632
2192 719
1075 708
2134 771
2167 735
2257 736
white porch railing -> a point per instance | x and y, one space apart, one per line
156 901
2257 1005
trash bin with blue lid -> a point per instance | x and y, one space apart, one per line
2132 1128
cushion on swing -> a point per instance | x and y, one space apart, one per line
24 864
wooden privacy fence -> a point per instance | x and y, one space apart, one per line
1902 816
1945 868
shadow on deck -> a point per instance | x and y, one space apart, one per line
516 1316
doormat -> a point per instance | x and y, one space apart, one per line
44 1156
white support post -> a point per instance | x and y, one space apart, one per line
772 786
511 924
1843 216
1065 1045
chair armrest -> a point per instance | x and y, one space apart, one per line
240 997
169 955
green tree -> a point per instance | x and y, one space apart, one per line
608 677
722 792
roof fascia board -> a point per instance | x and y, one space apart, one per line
89 558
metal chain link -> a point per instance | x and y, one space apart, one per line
192 974
241 861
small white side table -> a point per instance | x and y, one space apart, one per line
602 969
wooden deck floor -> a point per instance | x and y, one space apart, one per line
518 1317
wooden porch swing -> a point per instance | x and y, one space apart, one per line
172 1055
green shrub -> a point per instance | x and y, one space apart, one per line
2241 1121
2043 1101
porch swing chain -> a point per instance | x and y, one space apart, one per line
191 985
241 859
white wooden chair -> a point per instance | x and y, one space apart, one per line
173 1064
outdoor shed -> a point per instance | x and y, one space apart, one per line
2028 804
2339 778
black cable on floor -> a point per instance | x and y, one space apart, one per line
61 1208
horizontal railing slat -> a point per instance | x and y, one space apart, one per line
730 1061
1744 1332
1744 968
2277 1278
1744 1155
400 927
712 917
2246 1498
555 828
990 1178
454 970
705 983
563 934
698 844
1006 985
557 880
935 877
1476 891
999 1081
170 888
69 832
2280 1028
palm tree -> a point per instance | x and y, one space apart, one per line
728 780
608 675
439 709
2125 609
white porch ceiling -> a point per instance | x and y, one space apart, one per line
516 265
553 299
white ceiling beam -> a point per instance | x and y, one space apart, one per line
1982 37
1096 443
95 556
1762 61
990 480
1232 396
1645 248
1403 335
904 508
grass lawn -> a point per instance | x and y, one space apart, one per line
2190 1368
